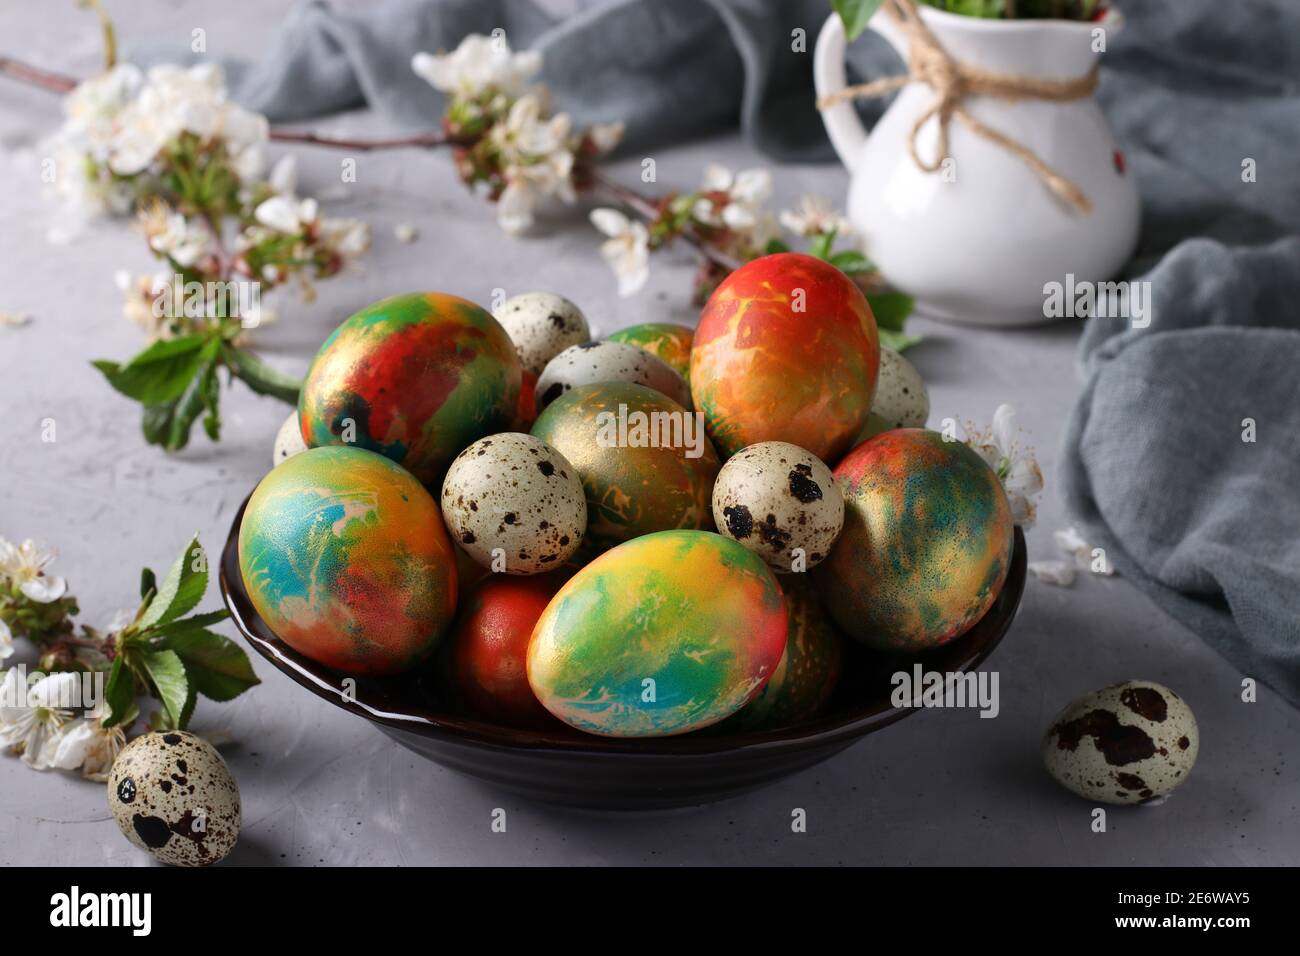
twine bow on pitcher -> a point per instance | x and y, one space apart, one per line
929 63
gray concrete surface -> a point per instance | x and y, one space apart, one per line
322 787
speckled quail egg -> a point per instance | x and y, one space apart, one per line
542 325
288 440
901 396
1127 743
514 504
595 363
776 498
173 795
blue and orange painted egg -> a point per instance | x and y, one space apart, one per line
665 634
489 646
637 480
786 350
416 378
346 559
810 668
666 340
926 544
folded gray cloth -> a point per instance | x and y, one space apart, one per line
1154 464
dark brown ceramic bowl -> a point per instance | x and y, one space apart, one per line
562 766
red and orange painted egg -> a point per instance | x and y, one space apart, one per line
489 647
926 543
803 682
666 340
644 461
416 378
346 559
665 634
786 350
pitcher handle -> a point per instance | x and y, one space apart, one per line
843 124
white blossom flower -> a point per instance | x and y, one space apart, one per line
350 238
1071 542
33 716
283 178
745 193
815 216
6 641
139 293
182 241
537 161
406 232
14 320
627 250
605 136
83 744
480 63
287 215
1016 467
25 566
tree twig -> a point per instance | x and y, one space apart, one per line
35 76
362 145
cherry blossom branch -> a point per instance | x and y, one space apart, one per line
426 140
35 76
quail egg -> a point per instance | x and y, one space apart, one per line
780 502
173 795
542 325
901 396
288 440
596 363
1127 743
514 504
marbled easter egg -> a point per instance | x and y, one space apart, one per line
594 362
644 461
345 557
667 340
416 378
786 350
926 543
489 648
665 634
803 682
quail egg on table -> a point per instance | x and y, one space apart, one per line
781 502
542 325
288 440
596 363
1126 743
514 504
902 399
173 795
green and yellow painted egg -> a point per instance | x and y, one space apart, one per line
667 340
345 557
786 350
809 670
926 544
645 462
663 635
416 378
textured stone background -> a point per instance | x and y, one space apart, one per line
320 786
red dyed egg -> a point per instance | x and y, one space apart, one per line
786 350
490 646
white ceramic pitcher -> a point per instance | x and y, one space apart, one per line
977 242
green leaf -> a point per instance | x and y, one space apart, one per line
851 262
201 395
206 619
182 589
897 340
218 668
891 309
167 673
259 376
148 583
856 14
160 373
774 246
119 695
